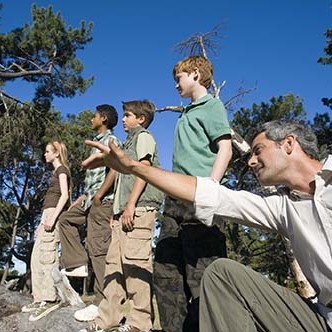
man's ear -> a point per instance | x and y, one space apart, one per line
289 143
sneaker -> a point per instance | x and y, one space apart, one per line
81 271
44 309
96 328
31 307
128 328
92 328
86 314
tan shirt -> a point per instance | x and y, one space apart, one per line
304 219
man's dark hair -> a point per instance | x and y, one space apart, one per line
110 112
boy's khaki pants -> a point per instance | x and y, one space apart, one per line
128 274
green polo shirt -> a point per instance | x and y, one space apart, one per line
197 130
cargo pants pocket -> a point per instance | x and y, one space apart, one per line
138 244
47 249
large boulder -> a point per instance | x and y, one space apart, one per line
13 320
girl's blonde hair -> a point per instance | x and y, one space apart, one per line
61 148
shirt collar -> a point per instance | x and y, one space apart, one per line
327 166
103 134
199 101
133 131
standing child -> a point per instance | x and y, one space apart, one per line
44 254
128 273
202 147
93 208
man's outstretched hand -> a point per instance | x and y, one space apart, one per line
110 156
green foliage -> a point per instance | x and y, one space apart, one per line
263 251
287 107
45 53
328 49
322 127
327 102
327 61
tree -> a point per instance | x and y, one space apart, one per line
322 127
327 60
45 53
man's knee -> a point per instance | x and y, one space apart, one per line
222 268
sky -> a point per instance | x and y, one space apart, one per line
272 46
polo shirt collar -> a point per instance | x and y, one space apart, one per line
104 133
327 164
199 101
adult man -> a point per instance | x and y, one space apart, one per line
94 207
234 297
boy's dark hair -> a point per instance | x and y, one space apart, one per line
141 107
189 64
111 114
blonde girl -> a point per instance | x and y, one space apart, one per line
44 256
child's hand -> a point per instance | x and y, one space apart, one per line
127 218
48 226
97 201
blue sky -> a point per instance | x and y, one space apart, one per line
273 45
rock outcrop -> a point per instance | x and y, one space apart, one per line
13 320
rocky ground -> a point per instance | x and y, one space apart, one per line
13 320
60 320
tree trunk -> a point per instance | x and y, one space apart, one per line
303 286
12 245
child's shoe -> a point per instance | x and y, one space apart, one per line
31 307
44 309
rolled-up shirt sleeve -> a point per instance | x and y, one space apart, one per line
243 207
206 200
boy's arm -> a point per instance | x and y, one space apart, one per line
223 158
104 188
127 217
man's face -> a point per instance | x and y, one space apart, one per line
268 160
